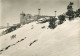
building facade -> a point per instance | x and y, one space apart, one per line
25 18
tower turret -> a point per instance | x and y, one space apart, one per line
22 15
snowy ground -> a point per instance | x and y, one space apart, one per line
64 40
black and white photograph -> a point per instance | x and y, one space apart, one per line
39 27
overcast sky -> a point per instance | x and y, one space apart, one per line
11 9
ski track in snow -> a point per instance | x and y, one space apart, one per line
3 49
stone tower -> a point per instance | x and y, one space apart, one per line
22 18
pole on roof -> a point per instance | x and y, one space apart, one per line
55 13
